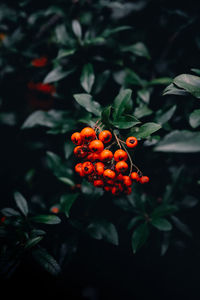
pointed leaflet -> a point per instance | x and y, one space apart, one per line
194 119
145 130
87 77
57 74
161 224
139 236
76 27
88 103
190 83
67 202
125 122
121 102
46 219
21 203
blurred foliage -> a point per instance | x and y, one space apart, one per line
117 61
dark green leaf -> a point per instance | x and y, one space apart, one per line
87 77
21 203
109 32
173 90
142 111
139 236
145 130
189 201
9 212
161 81
67 181
163 118
32 242
163 210
105 116
57 74
180 141
125 122
67 202
88 103
46 261
181 226
194 119
76 27
120 103
134 221
103 230
138 49
190 83
68 149
46 219
161 224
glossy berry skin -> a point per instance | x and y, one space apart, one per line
120 155
115 191
109 174
96 146
79 169
127 181
131 142
93 157
135 176
80 151
121 167
98 183
88 134
76 138
87 167
105 136
106 155
144 179
99 168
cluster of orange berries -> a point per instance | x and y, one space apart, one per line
100 165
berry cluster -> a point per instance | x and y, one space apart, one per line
102 167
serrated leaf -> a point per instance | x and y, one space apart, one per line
46 219
46 261
21 203
67 202
194 118
145 130
87 77
161 224
139 237
120 103
103 230
88 103
180 141
57 74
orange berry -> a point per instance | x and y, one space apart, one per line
105 136
98 183
144 179
88 134
99 168
121 167
109 174
120 155
110 182
127 181
115 191
55 209
106 155
128 191
93 157
76 138
96 146
87 167
78 167
131 142
135 176
80 151
120 177
107 188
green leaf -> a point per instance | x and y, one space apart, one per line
194 118
197 71
105 116
46 261
88 103
180 141
145 130
138 49
163 210
173 90
46 219
189 201
68 149
32 242
67 181
142 111
163 118
190 83
134 221
161 224
9 212
38 118
181 226
125 122
67 202
76 27
87 77
65 52
109 32
160 81
103 230
139 236
57 74
144 94
133 78
120 103
21 203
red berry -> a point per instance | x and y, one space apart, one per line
76 138
144 179
120 155
121 167
96 146
131 142
105 136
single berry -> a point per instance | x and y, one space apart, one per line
127 181
121 167
144 179
98 183
135 176
105 136
99 168
106 155
93 157
128 191
115 191
80 151
96 146
131 142
76 138
120 155
55 209
88 134
88 168
109 174
78 167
